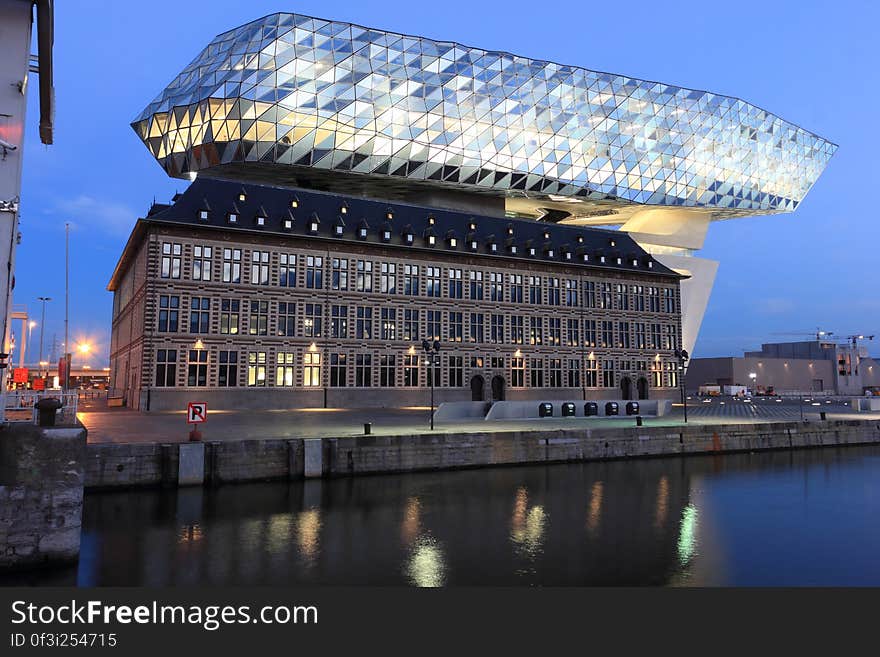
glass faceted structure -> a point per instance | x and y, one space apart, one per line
289 92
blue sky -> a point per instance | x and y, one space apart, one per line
813 63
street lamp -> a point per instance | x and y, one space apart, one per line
43 301
683 356
84 348
431 351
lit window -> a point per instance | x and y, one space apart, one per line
635 263
294 203
568 255
362 233
513 248
431 240
233 218
242 197
203 215
313 226
493 247
472 226
389 215
288 224
612 242
619 261
580 239
408 237
261 221
532 251
550 253
453 242
650 265
386 235
474 246
431 220
510 230
343 209
546 235
602 259
586 258
339 230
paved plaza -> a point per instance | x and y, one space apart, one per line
124 426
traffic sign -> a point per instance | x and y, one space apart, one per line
20 375
196 412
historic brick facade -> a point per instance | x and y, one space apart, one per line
219 299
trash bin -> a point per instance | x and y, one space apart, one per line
611 408
632 408
545 409
591 408
568 409
46 409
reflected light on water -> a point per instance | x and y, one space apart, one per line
595 514
308 531
527 525
426 565
409 528
662 503
189 534
279 532
687 537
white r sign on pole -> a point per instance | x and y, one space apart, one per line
196 412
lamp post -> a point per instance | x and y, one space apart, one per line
683 356
431 351
43 301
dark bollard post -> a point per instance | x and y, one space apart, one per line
822 415
638 420
368 428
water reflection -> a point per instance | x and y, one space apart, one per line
661 521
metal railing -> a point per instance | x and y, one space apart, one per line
20 405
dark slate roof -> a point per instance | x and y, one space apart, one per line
288 211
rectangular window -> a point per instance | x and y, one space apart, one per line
227 369
517 372
555 373
536 373
456 371
654 299
339 321
654 342
411 325
433 325
536 330
574 373
286 319
166 368
476 333
170 260
496 286
229 314
201 269
496 329
387 370
554 333
641 336
668 300
364 280
197 368
622 296
606 296
259 267
607 373
388 324
314 272
553 292
433 285
592 373
623 340
516 288
607 334
571 292
476 281
517 329
284 368
312 369
340 274
258 321
411 280
363 370
363 327
312 320
638 298
589 332
388 278
411 370
257 368
456 327
535 291
232 265
287 270
456 289
338 370
589 294
572 335
169 309
199 314
670 337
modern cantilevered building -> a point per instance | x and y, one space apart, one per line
298 103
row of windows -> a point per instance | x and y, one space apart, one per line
410 324
289 369
357 275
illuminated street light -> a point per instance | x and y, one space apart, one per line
84 348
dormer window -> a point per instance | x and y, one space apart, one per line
510 230
232 218
650 264
288 224
513 249
386 235
430 219
602 259
242 197
635 263
493 247
408 238
531 250
338 230
549 253
389 215
261 221
546 235
612 242
586 258
619 261
362 233
568 255
203 215
580 239
431 240
453 242
294 203
474 245
472 226
343 209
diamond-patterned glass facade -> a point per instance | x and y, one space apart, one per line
295 91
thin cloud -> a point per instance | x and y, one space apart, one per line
88 212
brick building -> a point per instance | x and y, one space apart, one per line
252 296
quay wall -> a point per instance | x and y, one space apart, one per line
110 465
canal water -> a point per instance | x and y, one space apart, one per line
807 517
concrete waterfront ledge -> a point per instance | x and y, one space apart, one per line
110 465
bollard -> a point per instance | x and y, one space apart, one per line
638 420
368 428
822 415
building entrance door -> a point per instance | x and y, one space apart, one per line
643 387
477 383
497 388
625 388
